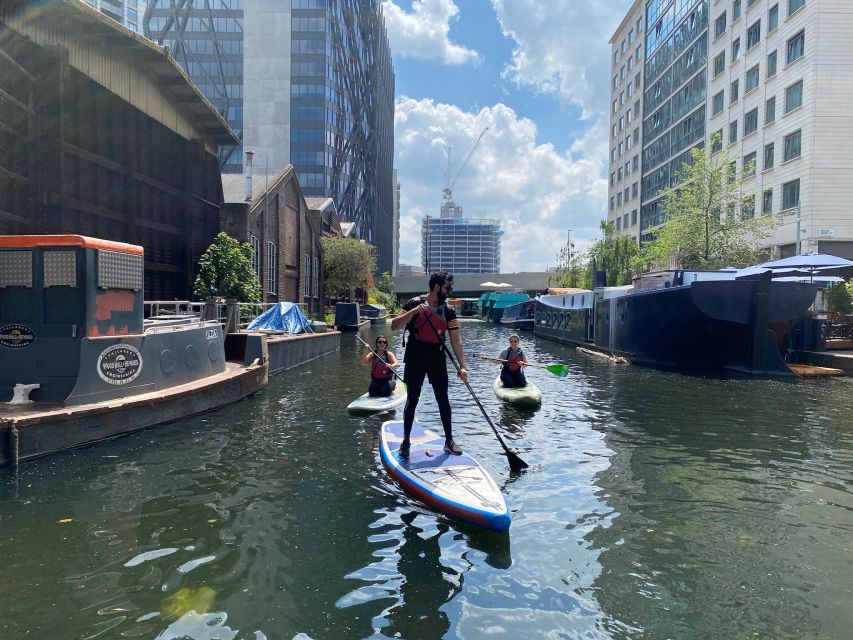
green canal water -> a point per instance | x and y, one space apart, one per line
656 506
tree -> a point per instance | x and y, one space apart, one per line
709 223
837 298
616 254
348 263
226 271
384 293
573 269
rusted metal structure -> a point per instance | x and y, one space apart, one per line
103 134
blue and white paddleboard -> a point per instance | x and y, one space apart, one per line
373 404
454 485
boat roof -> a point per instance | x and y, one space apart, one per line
31 242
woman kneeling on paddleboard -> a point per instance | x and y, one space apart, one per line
513 361
381 379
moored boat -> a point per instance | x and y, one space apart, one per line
519 315
494 303
79 364
348 317
684 320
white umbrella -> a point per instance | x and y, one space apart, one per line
503 284
488 284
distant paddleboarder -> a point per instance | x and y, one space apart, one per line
381 378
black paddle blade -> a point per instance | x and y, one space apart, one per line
516 464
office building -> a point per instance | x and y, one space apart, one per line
305 82
461 245
751 72
396 254
127 12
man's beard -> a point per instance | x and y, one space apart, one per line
441 296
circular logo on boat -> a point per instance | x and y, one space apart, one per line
119 364
16 336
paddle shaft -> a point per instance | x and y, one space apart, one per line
499 361
378 357
515 462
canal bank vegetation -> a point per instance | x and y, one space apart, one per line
349 264
226 271
708 224
384 293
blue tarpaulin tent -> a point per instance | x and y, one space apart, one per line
284 316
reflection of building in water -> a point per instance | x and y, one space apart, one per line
704 517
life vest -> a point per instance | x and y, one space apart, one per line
379 370
419 328
513 360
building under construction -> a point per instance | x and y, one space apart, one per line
461 245
102 134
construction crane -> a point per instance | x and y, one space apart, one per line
448 207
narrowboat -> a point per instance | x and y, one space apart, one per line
348 317
519 316
711 321
494 303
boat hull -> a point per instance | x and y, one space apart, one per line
715 325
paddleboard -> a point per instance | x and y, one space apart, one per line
375 404
456 486
529 395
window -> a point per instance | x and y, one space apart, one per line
635 163
315 278
618 224
621 97
306 276
751 79
612 203
791 194
733 132
753 35
769 152
735 10
735 49
771 64
634 189
720 63
767 201
621 123
626 195
633 217
720 25
716 141
630 89
733 93
747 208
272 256
613 131
749 164
750 122
773 18
794 5
792 146
619 199
615 81
256 255
770 110
796 47
613 155
619 174
794 96
717 103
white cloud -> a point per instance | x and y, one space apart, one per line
537 191
424 33
562 47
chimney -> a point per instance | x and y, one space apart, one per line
249 155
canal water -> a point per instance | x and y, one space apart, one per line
656 506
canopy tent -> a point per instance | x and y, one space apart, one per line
283 316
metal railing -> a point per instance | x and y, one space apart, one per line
233 316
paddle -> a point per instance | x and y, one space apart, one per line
515 462
559 370
378 357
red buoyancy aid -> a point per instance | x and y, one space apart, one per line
379 370
421 329
513 360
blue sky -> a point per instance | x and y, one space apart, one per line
537 74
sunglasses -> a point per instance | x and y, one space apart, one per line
382 342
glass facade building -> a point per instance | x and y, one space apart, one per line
461 245
127 12
304 82
674 96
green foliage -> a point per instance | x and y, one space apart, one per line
384 293
348 262
616 253
226 272
837 298
707 221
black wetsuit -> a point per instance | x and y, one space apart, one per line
425 358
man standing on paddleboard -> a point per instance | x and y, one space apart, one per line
427 319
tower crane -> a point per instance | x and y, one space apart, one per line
448 206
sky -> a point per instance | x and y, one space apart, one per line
537 74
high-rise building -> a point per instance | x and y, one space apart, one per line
127 12
752 73
461 245
396 260
305 82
